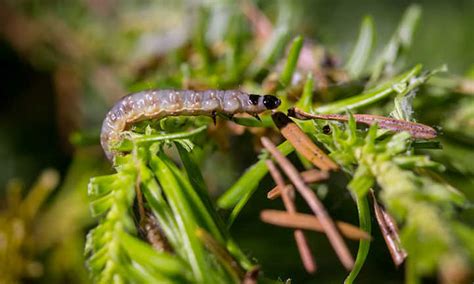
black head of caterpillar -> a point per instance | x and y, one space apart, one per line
269 101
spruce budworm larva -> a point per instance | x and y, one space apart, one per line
156 104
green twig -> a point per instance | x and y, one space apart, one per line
373 95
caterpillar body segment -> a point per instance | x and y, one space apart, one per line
157 104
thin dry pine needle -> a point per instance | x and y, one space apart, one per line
309 222
417 130
389 230
314 203
301 241
309 176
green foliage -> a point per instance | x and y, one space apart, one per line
410 197
306 100
248 182
179 202
98 52
112 197
275 45
290 66
200 246
361 52
17 226
401 83
158 179
398 44
364 245
29 217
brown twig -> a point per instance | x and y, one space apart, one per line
301 242
417 130
389 230
309 176
309 222
302 143
314 203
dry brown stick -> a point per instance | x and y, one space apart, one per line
309 222
302 143
309 176
303 247
275 192
389 230
417 130
314 203
287 200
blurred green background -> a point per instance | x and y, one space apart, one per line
50 89
29 105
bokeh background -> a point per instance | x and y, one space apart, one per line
63 63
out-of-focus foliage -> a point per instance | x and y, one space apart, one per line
16 228
45 240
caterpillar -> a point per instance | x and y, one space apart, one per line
156 104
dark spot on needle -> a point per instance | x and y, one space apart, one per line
326 129
280 119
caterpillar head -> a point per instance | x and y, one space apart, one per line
264 102
271 102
